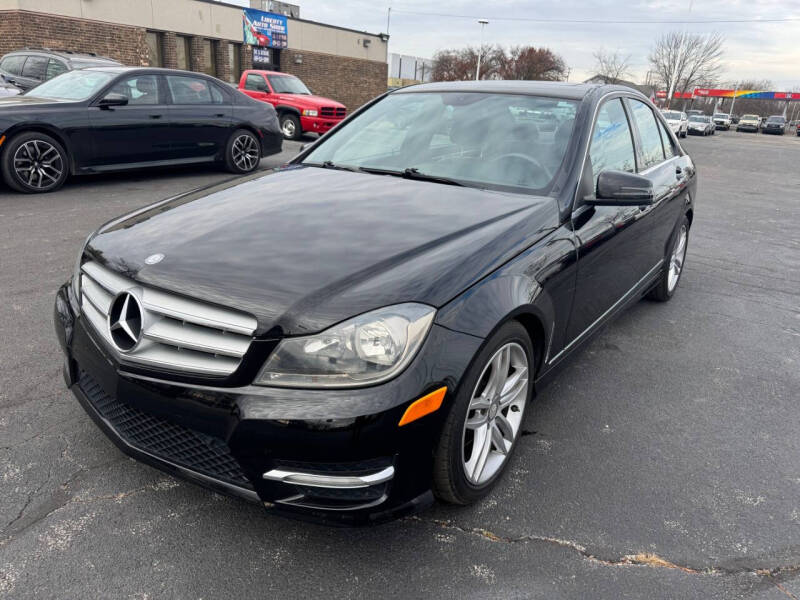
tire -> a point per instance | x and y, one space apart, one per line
242 152
451 482
48 161
290 126
668 281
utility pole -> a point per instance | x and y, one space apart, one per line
730 112
483 23
679 63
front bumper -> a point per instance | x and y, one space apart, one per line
333 455
697 130
746 127
319 124
775 130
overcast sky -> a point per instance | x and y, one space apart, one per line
752 50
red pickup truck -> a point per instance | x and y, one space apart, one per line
299 111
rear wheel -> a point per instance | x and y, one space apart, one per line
486 418
668 283
34 163
290 126
243 152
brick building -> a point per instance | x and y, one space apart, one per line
199 35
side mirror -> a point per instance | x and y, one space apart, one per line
620 188
113 99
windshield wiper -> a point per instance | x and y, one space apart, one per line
329 164
414 173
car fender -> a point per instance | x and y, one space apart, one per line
285 108
535 287
48 129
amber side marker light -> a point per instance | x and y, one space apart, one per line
424 406
2 139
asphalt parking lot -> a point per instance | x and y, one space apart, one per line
664 462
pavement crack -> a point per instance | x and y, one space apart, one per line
643 559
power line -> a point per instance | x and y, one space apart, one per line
602 21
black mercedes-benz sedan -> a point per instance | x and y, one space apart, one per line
362 330
113 118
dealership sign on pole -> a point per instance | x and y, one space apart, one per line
265 29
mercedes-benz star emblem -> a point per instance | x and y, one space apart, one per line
154 259
125 321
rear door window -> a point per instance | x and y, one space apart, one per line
193 90
669 147
35 67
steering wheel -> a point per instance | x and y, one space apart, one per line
528 159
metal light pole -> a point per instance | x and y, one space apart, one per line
733 102
483 22
679 64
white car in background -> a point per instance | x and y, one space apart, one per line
722 121
678 121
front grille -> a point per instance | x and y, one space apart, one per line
180 445
178 334
330 111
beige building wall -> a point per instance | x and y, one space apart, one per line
207 19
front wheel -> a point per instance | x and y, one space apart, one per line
486 418
668 282
290 126
34 163
243 152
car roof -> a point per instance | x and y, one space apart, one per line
65 54
125 69
561 89
266 72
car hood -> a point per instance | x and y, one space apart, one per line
309 101
304 248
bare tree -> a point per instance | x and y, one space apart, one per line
683 60
460 64
530 63
611 66
519 62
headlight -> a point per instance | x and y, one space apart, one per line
364 350
309 113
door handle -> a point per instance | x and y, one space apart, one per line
678 172
155 116
219 115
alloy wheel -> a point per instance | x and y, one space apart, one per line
495 412
677 258
288 128
38 164
245 152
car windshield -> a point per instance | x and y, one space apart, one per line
720 116
699 119
775 120
283 84
750 118
672 116
72 85
495 141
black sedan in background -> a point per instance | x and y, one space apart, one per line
112 118
363 330
775 124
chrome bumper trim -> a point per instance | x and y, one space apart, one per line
330 481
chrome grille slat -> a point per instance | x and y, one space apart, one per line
97 295
195 312
174 333
178 334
